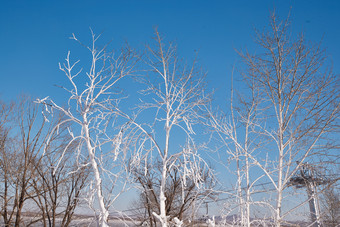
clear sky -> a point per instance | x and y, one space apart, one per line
35 34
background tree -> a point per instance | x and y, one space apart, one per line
181 199
5 161
59 190
19 158
330 206
22 153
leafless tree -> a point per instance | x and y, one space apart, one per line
299 106
176 94
239 144
5 197
26 152
92 111
180 198
21 152
330 206
58 190
25 169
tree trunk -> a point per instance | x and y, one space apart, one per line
104 214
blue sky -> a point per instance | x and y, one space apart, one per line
35 34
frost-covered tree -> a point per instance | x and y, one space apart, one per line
285 112
92 111
298 107
174 96
238 144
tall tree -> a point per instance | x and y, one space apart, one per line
93 110
299 106
176 94
239 144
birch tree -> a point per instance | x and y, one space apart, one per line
176 94
300 103
93 111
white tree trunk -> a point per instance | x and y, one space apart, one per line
162 198
104 214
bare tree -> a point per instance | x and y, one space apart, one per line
180 198
5 194
299 106
28 149
177 94
93 110
21 152
239 144
5 177
58 190
330 205
25 169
